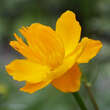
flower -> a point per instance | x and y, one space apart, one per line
52 56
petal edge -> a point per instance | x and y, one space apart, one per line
92 47
26 70
33 87
70 81
69 30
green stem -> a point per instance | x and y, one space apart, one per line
79 101
91 96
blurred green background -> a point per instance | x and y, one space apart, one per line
94 17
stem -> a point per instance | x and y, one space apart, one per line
79 101
91 96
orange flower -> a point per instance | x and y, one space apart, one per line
52 56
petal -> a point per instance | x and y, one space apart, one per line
70 81
43 41
92 47
68 62
33 87
25 50
69 30
25 70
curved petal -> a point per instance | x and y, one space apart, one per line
25 50
66 65
33 87
25 70
92 47
70 81
44 43
69 30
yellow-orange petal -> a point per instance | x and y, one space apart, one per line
33 87
26 70
68 62
92 47
70 81
69 30
26 51
43 41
